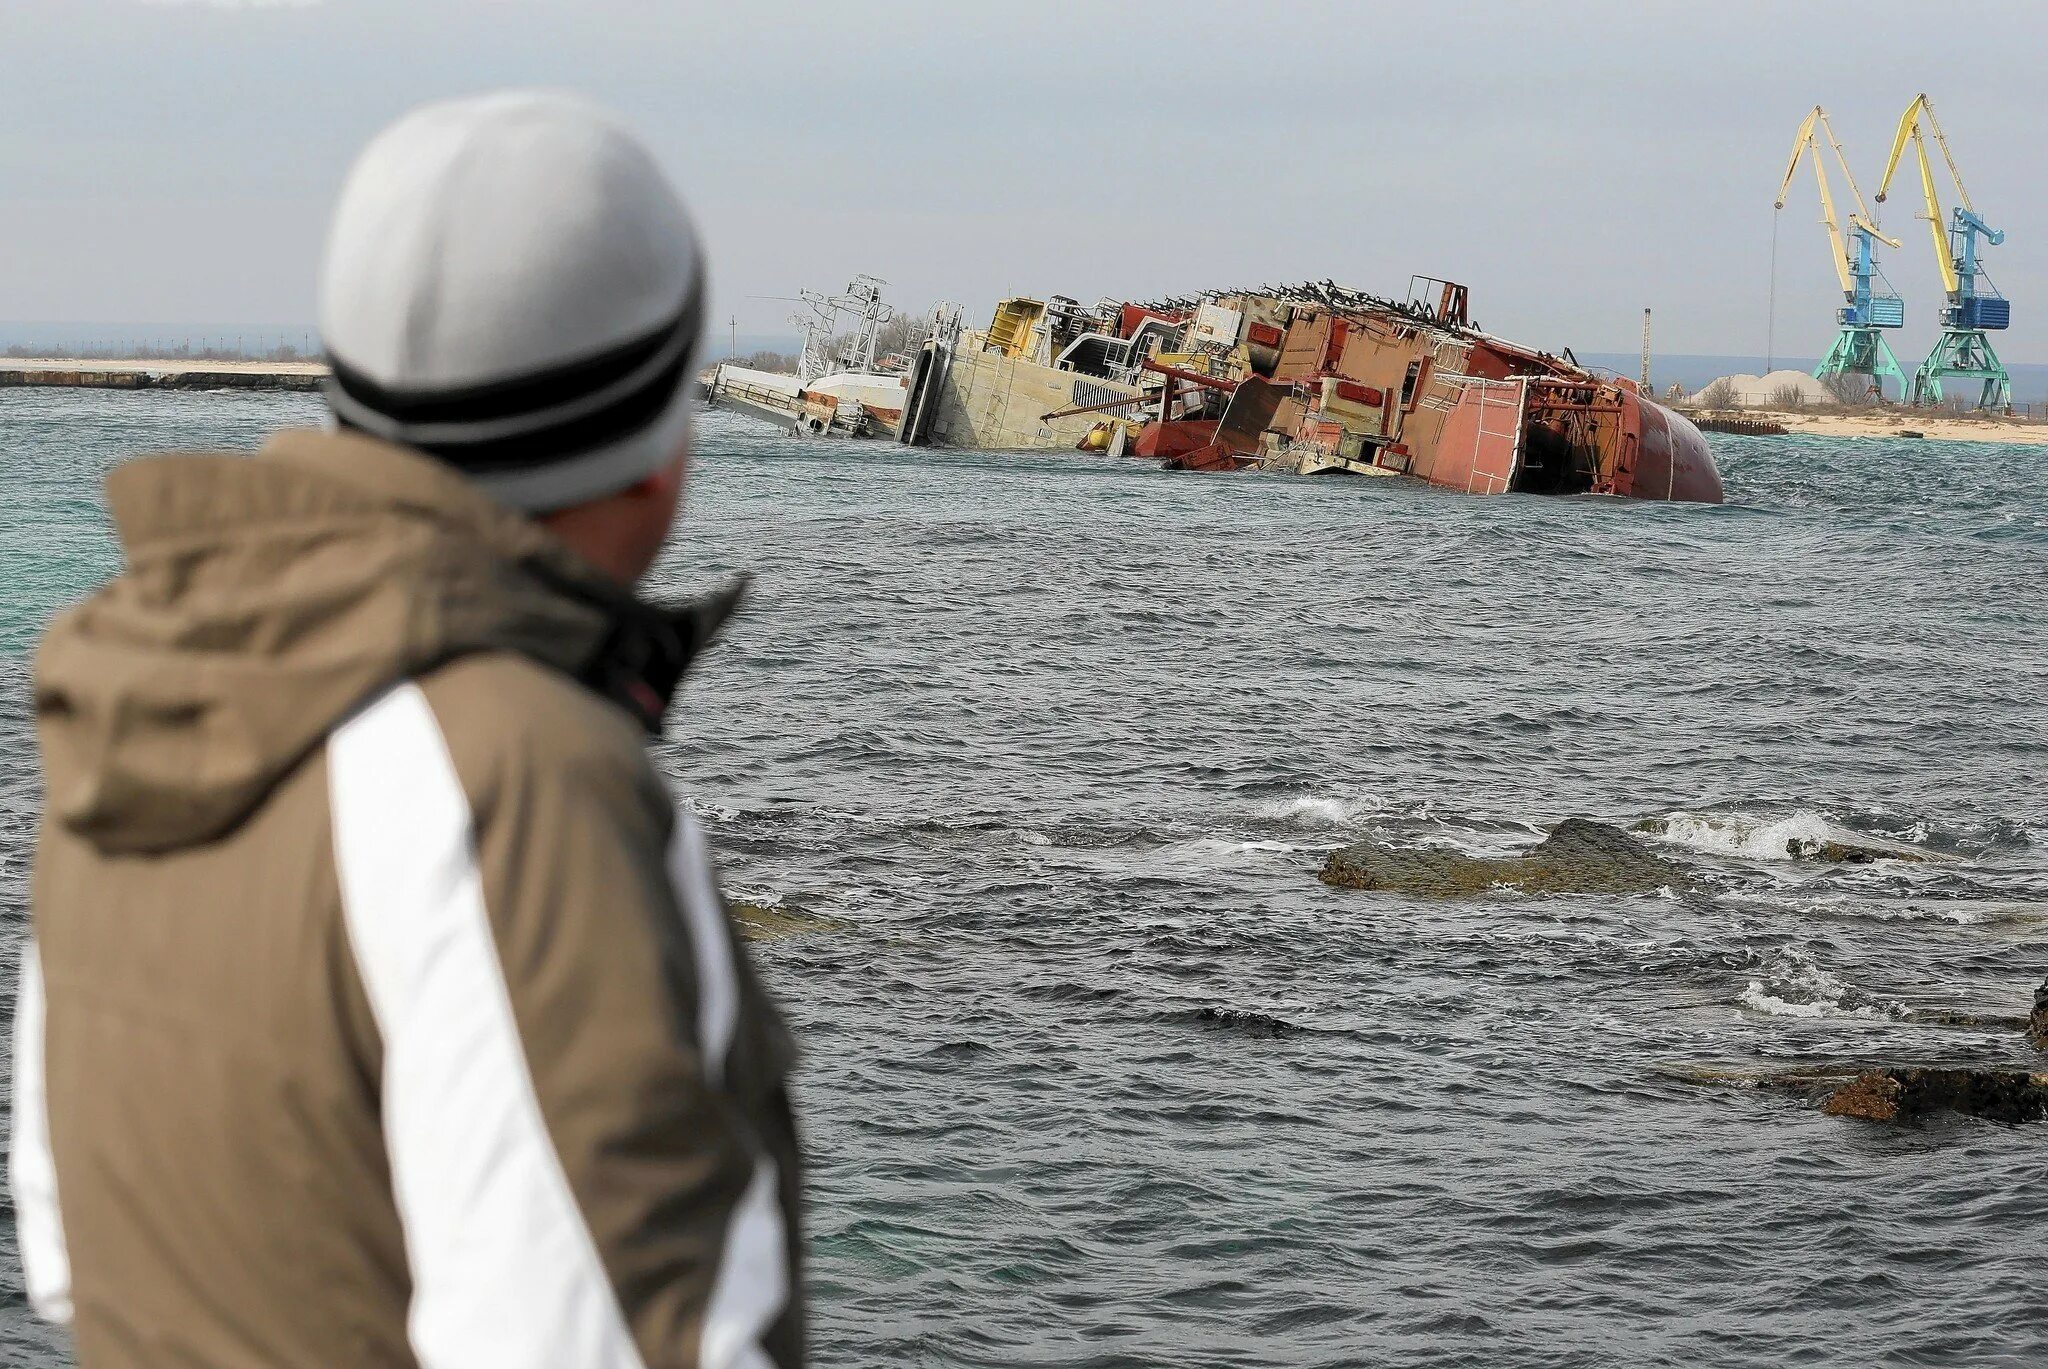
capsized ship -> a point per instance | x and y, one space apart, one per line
1311 379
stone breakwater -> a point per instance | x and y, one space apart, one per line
140 378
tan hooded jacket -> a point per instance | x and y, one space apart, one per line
381 1008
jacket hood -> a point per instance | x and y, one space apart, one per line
263 598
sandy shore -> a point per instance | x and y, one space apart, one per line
2018 431
166 367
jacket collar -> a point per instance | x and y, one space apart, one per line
641 661
644 646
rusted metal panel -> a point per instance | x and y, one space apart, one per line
1301 356
1375 358
1480 444
1251 412
1360 408
1211 458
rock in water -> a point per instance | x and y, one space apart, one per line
1872 1095
761 922
1578 857
1246 1021
1892 1095
1860 852
2037 1024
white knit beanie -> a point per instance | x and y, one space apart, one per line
511 285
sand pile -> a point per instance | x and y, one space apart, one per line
1758 392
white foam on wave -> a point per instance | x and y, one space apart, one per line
1323 810
706 809
1745 836
1229 846
1793 985
1757 998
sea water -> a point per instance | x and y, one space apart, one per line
1037 756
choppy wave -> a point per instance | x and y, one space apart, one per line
1317 810
1792 984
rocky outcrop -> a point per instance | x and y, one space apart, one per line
2037 1024
1578 857
1897 1095
1841 852
761 922
1965 1018
1245 1021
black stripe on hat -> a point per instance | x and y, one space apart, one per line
550 387
532 395
555 442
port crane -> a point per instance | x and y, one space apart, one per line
1867 310
1974 307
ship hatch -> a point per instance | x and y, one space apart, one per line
1571 436
1552 463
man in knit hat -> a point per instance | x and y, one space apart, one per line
381 1007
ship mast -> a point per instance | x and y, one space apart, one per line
862 298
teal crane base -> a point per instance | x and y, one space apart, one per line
1963 354
1862 352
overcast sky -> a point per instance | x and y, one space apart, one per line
174 162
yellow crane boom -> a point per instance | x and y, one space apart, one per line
1909 127
1804 142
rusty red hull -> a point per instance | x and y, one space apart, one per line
1672 460
1493 442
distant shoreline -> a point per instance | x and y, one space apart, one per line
1937 427
198 375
